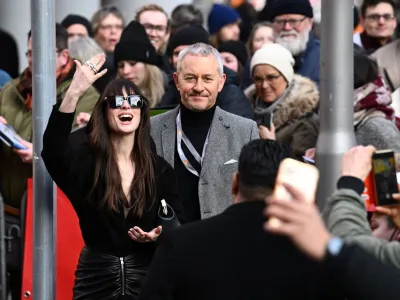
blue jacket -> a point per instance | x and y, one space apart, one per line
4 78
307 64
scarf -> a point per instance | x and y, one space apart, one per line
262 108
371 44
372 100
24 86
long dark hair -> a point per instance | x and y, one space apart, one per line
366 69
106 171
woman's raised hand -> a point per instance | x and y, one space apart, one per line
86 74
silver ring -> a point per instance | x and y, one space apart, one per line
91 66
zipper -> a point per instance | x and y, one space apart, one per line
122 275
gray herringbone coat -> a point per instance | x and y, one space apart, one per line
229 133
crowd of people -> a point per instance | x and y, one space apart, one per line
241 92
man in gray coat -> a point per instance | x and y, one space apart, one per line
201 141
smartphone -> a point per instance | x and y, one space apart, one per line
10 137
385 178
266 120
300 176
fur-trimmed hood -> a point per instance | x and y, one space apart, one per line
301 100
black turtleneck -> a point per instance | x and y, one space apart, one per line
195 125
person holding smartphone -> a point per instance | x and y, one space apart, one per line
355 273
114 182
345 213
285 104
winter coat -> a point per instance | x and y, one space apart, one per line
295 117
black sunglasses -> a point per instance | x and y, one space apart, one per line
135 101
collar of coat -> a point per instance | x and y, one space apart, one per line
302 100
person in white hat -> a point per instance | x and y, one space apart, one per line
292 100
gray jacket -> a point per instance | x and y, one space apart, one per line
228 134
346 217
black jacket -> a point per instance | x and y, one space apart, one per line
72 169
230 256
361 276
231 98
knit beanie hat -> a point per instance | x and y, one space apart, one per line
135 45
283 7
237 48
220 16
189 35
276 56
75 19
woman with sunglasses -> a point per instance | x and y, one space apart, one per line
114 182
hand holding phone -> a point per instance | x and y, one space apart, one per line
10 137
308 160
385 177
300 176
267 134
267 120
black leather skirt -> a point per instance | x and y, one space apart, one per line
103 276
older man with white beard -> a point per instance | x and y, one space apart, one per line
292 20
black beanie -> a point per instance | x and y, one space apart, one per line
237 48
75 19
135 45
283 7
189 35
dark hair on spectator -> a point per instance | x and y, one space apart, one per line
248 15
259 162
372 3
366 69
184 15
61 37
106 172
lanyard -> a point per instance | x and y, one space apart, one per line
181 137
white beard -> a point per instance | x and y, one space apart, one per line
295 45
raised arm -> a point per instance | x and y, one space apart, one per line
64 164
83 79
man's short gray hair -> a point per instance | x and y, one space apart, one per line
204 50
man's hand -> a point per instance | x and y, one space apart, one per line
357 162
138 235
2 120
393 212
300 221
267 134
25 155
